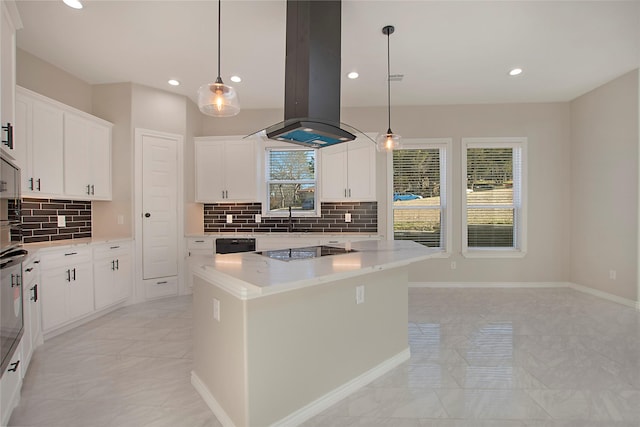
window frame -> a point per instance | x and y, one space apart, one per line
268 213
445 145
520 206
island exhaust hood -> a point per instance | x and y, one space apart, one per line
312 76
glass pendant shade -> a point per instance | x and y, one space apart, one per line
388 141
218 99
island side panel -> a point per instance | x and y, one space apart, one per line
219 348
305 343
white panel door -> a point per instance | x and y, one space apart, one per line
159 207
47 154
361 170
333 173
241 171
77 160
100 137
209 171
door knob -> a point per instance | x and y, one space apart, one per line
147 215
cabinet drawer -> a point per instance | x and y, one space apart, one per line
68 256
30 273
112 249
200 243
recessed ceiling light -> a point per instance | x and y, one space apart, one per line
173 82
515 72
73 3
236 79
353 75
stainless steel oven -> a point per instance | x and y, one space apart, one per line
11 256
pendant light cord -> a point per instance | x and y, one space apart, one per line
219 2
388 83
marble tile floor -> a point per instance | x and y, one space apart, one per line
479 358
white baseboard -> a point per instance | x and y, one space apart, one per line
606 295
580 288
339 393
489 284
315 407
211 401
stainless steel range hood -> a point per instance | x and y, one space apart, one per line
312 76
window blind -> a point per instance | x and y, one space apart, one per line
493 196
418 195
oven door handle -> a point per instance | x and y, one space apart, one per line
12 258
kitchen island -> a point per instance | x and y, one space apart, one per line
279 339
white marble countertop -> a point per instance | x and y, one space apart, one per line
251 275
280 234
69 243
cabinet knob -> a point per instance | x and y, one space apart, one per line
147 215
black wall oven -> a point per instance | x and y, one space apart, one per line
11 256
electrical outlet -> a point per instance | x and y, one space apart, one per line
216 309
120 219
62 221
347 217
360 294
612 274
258 218
453 265
229 219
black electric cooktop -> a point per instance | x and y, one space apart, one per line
308 252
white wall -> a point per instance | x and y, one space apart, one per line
547 128
46 79
604 184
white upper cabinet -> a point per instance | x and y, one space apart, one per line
9 23
87 158
39 147
63 152
226 170
348 172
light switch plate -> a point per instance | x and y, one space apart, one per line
258 218
347 217
62 221
229 219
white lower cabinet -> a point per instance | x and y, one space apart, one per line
112 273
32 336
67 287
10 385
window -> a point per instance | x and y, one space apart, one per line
494 216
420 200
291 182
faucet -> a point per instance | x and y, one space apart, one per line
290 228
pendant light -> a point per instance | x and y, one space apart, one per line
388 141
218 99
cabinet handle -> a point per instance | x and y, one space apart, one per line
9 141
15 280
113 265
3 186
71 253
34 293
114 247
223 194
28 270
38 184
14 366
36 261
117 264
93 189
31 184
161 283
349 192
74 274
88 189
68 275
199 241
345 192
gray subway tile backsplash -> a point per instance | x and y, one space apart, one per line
364 219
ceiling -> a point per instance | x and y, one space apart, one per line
450 52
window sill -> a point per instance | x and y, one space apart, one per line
494 253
